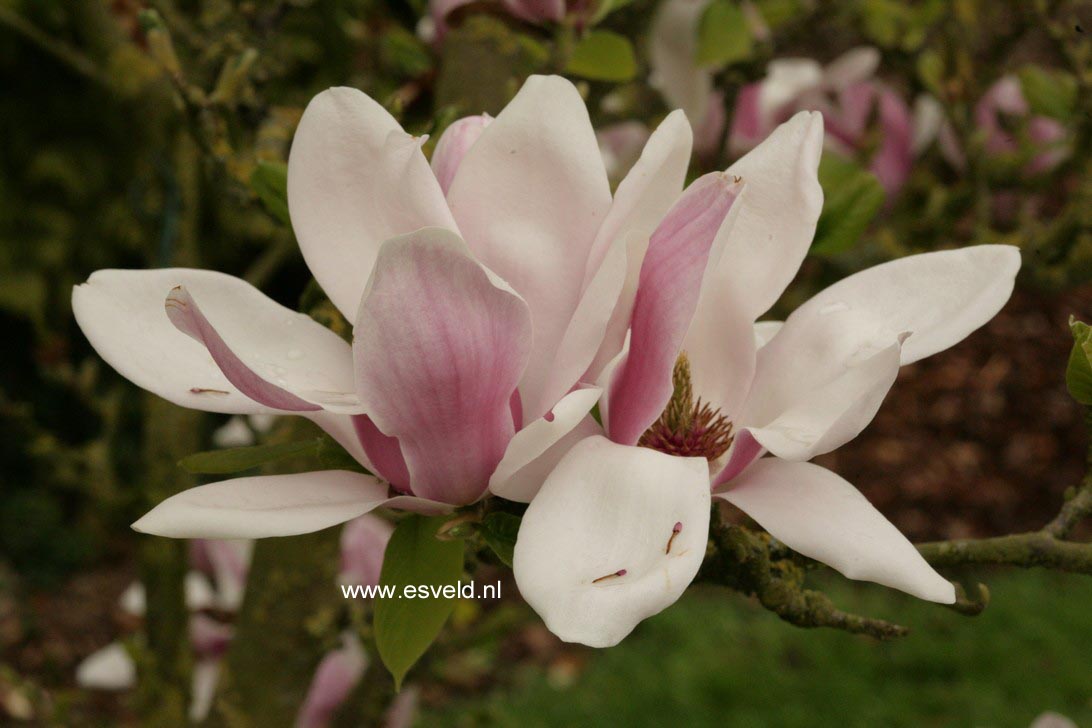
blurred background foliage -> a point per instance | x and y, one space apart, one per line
142 133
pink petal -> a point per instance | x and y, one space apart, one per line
184 313
748 128
529 197
384 453
439 348
667 296
209 637
536 11
363 543
336 676
454 143
895 158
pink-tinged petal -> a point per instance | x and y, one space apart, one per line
818 514
895 158
123 316
423 506
1004 97
383 452
787 79
642 199
110 668
536 11
535 439
615 535
454 143
667 296
1050 135
363 543
230 561
776 218
206 674
847 123
403 709
438 12
336 676
186 316
709 129
744 451
198 591
439 348
620 146
342 429
672 51
854 66
356 179
209 637
748 126
529 197
267 505
842 400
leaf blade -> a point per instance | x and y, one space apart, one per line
405 627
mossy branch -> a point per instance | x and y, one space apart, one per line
748 561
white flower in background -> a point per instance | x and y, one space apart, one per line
619 528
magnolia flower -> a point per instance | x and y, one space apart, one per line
1004 105
477 314
619 528
683 82
848 95
531 11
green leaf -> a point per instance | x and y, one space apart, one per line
1049 93
603 8
405 627
723 35
1078 375
237 459
269 180
853 198
499 531
603 56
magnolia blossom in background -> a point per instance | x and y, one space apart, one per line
856 107
683 82
701 393
481 302
531 11
1004 115
215 586
620 145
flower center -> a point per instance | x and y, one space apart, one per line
687 427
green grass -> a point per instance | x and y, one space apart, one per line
714 659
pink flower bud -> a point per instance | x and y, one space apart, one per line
335 677
454 143
536 11
363 543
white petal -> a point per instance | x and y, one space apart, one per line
122 314
206 674
786 79
524 484
610 511
820 515
529 197
263 506
766 330
536 438
110 668
199 592
354 180
672 51
854 66
776 214
939 297
821 415
133 600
